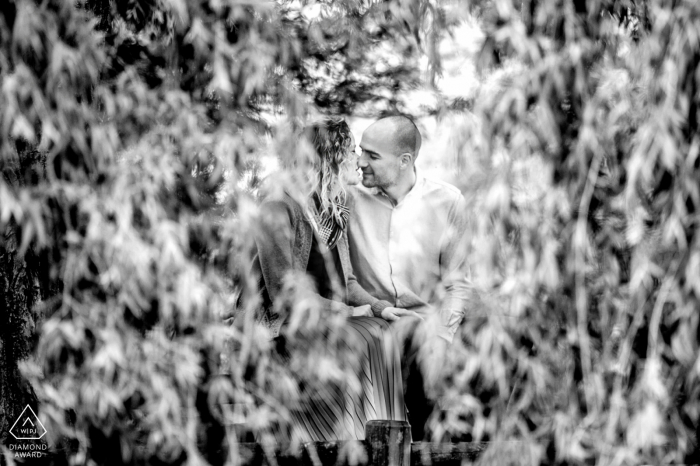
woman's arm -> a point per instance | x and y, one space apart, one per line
336 306
275 243
358 296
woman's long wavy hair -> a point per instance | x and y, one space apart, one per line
331 139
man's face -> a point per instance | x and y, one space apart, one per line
379 163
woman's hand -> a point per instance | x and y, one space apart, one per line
362 311
394 313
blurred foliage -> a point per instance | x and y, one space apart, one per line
582 164
130 132
130 137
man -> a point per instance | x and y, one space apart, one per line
407 245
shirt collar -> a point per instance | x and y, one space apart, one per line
415 190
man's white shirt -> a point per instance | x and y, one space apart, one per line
413 254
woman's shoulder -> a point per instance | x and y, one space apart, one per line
282 204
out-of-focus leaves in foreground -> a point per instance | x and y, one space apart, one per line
130 140
581 162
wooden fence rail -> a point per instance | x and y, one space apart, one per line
386 444
327 454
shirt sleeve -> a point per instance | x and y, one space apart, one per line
454 269
358 296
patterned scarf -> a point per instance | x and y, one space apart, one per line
329 227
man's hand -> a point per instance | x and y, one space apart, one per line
394 313
362 311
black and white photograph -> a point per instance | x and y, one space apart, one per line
349 232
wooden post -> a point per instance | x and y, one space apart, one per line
388 443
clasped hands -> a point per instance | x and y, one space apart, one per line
389 313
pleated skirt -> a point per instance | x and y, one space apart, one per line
342 414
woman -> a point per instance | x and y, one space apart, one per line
310 236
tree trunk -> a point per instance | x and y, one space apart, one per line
18 293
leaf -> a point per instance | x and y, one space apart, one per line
645 430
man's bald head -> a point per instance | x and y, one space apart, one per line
389 150
400 132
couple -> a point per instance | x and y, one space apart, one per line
390 251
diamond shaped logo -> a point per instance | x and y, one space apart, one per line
28 426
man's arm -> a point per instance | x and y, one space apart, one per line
357 295
454 269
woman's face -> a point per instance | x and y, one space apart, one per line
349 172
